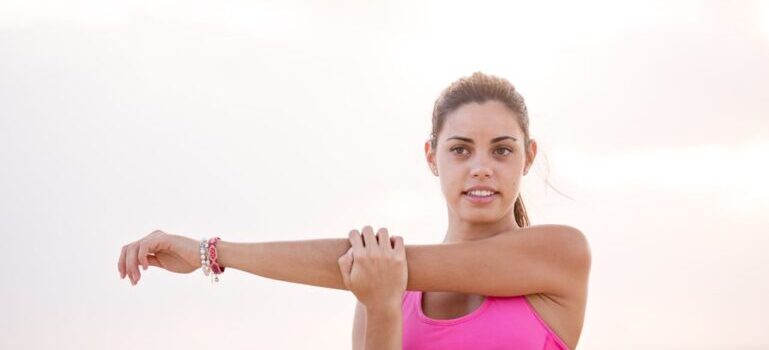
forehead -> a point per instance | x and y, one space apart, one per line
481 121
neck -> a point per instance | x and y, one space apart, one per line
464 231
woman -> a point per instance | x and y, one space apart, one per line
494 281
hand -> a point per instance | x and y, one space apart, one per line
172 252
375 268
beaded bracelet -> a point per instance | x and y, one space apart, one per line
212 256
204 262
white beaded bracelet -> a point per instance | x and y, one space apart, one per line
204 261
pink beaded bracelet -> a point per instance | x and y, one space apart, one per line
212 256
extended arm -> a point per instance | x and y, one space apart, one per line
312 261
539 259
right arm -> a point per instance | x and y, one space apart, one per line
551 259
312 262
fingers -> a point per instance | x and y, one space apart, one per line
398 246
369 240
383 237
131 267
138 253
121 262
143 251
357 243
127 261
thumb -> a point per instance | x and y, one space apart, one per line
154 261
144 250
147 247
345 266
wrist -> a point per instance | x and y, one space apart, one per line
224 250
385 308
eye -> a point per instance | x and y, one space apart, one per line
506 149
456 148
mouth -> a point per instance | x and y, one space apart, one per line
480 199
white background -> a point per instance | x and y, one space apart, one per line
262 121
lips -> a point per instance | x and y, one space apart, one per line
478 200
481 188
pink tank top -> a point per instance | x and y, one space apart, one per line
500 323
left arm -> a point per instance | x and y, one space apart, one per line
384 327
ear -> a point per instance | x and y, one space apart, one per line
430 157
531 153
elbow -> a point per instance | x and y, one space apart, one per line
579 250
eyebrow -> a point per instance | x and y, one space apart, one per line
469 140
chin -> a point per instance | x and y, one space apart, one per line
481 218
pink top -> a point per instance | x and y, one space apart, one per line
500 323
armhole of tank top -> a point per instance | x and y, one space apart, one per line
552 336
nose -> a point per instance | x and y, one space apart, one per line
481 171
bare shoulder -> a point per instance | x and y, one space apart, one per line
572 246
565 313
569 239
560 229
572 243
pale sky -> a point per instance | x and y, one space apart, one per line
263 121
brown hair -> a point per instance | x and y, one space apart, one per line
480 87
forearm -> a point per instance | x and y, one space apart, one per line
313 262
384 328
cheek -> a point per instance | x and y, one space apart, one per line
451 187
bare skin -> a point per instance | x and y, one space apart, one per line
549 264
550 258
461 163
375 270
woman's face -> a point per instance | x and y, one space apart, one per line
480 144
